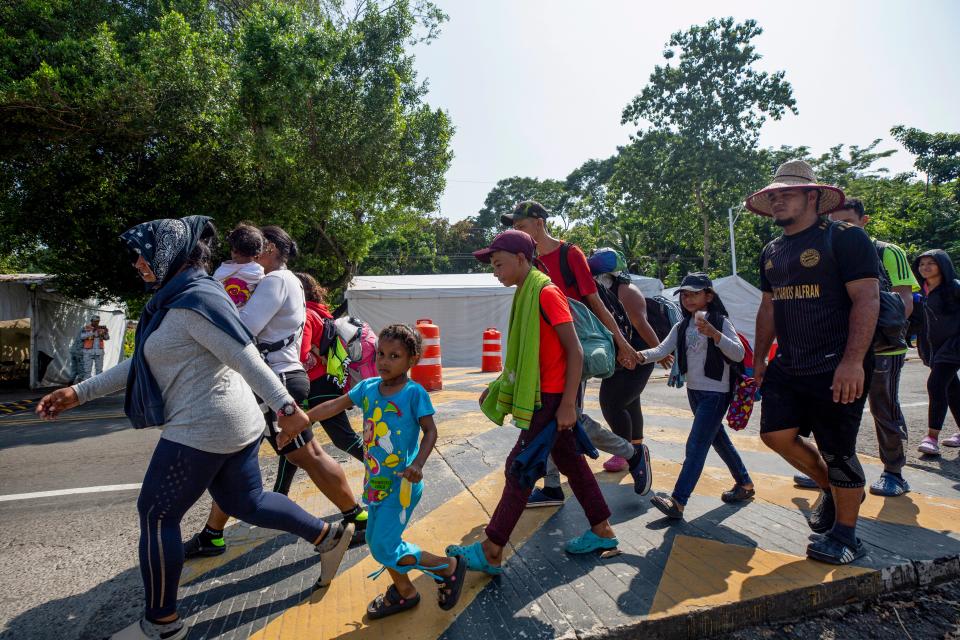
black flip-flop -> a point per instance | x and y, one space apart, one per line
667 507
380 608
448 590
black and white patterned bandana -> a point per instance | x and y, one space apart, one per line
165 244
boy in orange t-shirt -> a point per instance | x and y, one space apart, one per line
561 361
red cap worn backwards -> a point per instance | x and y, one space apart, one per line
511 241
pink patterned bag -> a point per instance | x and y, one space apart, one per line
738 414
364 366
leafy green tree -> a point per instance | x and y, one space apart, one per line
304 114
509 191
715 101
938 154
419 245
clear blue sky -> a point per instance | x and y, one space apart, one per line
536 87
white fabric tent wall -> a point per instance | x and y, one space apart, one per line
650 287
462 305
741 299
55 324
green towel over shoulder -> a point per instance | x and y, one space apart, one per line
517 391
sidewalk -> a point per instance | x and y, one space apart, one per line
722 568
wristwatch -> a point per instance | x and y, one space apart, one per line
288 409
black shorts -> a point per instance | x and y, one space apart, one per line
298 386
806 403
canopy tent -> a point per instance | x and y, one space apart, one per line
648 286
462 305
741 299
54 323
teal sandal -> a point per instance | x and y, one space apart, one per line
474 557
590 542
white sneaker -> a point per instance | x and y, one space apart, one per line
144 630
331 558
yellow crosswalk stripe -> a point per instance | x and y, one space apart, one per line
703 573
340 609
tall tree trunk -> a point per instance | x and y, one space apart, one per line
705 216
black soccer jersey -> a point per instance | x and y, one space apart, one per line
807 280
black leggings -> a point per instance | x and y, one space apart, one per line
298 386
338 428
176 477
620 401
944 390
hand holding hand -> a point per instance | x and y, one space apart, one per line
53 404
413 473
759 371
627 357
292 426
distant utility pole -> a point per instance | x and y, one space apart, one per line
733 240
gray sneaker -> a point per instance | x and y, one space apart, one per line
331 551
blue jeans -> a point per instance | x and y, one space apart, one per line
709 409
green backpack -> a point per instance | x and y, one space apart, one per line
599 350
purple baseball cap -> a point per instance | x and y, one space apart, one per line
511 241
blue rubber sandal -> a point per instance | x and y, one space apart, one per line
474 557
590 542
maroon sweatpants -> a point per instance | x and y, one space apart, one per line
568 461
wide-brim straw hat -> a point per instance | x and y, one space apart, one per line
795 174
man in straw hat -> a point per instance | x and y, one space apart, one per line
820 300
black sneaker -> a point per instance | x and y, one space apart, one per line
640 469
834 551
546 497
197 548
824 513
359 521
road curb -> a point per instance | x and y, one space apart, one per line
787 605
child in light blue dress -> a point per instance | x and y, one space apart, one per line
395 412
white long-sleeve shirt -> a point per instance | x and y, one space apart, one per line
276 310
729 345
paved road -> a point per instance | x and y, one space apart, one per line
68 562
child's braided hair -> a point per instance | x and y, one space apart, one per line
406 334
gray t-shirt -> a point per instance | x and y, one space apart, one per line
697 380
205 378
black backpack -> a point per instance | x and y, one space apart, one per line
891 330
661 314
611 300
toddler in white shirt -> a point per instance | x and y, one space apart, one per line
240 275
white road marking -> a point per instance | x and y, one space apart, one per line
69 492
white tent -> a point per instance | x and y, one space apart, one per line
741 299
54 325
462 305
648 286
